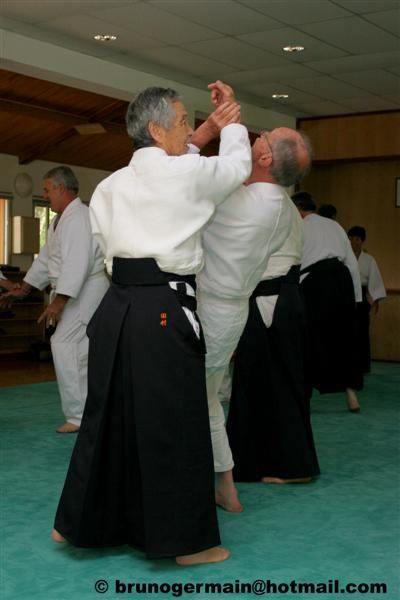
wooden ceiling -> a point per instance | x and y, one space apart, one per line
44 120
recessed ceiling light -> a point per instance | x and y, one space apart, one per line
293 48
280 96
102 37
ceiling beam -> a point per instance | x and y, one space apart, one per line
36 152
54 116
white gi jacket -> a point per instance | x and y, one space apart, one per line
238 241
241 236
324 238
157 206
280 263
71 262
370 276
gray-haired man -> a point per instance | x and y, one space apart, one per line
72 264
141 472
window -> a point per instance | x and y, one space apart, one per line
4 229
42 211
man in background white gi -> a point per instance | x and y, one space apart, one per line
331 286
239 239
72 263
373 291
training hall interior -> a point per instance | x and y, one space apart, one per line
329 68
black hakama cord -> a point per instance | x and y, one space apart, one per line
141 472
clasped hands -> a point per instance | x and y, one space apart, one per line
227 111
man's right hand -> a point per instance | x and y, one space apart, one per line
221 93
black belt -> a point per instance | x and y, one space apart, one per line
321 265
146 272
272 287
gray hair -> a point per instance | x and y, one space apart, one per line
153 104
63 175
285 166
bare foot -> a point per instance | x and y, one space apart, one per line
212 555
226 495
57 537
352 401
279 480
229 502
68 428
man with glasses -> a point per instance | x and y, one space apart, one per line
243 233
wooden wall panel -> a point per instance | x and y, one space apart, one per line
354 136
385 329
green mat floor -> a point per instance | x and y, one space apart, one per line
343 527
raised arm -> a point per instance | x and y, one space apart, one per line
224 115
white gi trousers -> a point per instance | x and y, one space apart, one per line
223 321
70 347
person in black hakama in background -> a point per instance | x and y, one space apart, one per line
268 424
331 286
373 291
142 472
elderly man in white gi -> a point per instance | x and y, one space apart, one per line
72 263
141 472
243 233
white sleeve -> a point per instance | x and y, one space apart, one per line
216 177
100 220
1 275
38 274
376 288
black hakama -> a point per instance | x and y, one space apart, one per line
269 417
363 324
141 472
334 363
